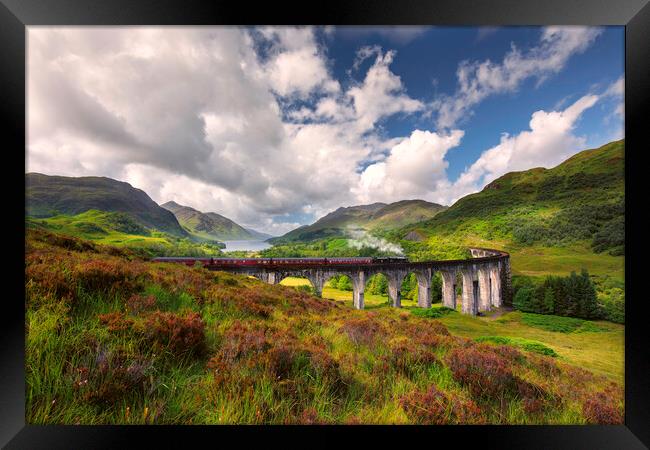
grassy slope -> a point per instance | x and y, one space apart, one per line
600 352
113 339
119 229
207 226
47 196
515 209
375 217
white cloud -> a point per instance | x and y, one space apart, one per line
415 168
548 142
479 80
382 93
296 65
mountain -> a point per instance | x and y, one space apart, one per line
563 218
259 235
376 216
211 225
47 196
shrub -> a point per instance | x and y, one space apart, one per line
408 358
482 370
602 408
434 407
434 313
116 321
243 340
110 377
108 276
138 303
362 331
559 324
178 334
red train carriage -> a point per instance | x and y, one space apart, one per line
237 262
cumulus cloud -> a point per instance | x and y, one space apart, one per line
382 93
414 168
296 66
548 142
479 80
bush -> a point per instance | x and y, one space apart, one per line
362 331
116 321
482 370
433 313
434 407
559 324
138 303
378 284
178 334
613 305
602 408
110 377
407 358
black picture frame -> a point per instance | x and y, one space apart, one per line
16 15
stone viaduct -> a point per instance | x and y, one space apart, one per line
485 279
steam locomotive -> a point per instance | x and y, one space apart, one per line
190 261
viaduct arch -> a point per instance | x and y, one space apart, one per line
486 279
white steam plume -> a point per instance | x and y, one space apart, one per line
361 238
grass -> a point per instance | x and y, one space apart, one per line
561 324
112 339
526 344
599 352
118 229
595 345
541 261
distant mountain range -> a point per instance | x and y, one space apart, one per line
376 216
47 196
211 225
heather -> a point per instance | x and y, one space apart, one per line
114 339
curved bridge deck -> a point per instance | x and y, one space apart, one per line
485 277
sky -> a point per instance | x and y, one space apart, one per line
275 127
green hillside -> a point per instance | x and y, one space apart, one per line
121 230
208 226
377 216
47 196
550 220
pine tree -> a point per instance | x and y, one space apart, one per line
589 298
548 305
572 295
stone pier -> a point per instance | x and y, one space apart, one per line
485 278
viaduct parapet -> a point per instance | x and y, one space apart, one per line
484 279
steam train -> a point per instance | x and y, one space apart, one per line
190 261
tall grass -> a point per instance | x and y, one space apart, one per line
112 341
